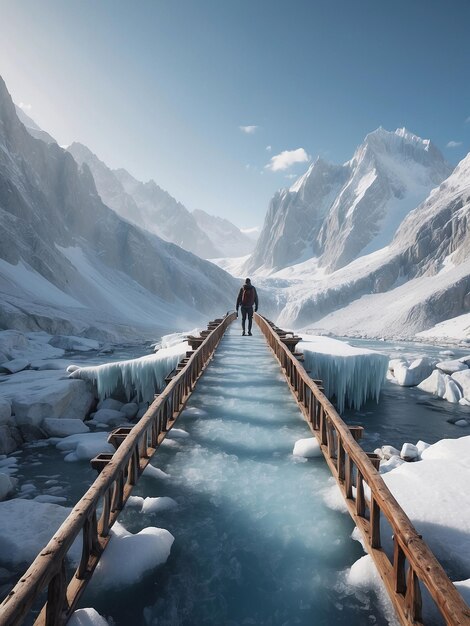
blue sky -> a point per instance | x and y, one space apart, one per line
162 88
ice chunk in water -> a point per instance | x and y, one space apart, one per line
87 617
155 505
140 552
307 448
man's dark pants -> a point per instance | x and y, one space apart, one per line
247 311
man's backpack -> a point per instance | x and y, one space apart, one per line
248 296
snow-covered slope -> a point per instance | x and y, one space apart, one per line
68 263
151 207
338 213
145 204
165 216
225 236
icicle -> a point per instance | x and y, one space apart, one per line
351 375
144 376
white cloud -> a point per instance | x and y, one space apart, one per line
467 121
453 144
269 148
286 159
24 106
291 176
248 130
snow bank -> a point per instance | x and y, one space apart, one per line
145 376
141 553
434 494
352 375
456 328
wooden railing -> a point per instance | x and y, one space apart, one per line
99 508
412 561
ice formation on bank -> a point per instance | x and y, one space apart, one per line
144 376
351 375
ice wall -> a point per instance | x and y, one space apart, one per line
350 375
144 376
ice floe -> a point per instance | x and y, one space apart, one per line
434 494
141 553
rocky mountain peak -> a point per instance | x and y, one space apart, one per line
340 212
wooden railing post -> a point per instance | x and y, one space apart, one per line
57 605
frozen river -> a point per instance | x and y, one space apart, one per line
255 539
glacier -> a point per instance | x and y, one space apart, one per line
144 376
350 375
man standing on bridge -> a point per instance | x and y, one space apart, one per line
247 297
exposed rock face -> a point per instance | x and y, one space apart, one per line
68 262
295 217
340 212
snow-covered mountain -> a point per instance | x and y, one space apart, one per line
337 213
154 209
419 280
145 204
225 236
68 263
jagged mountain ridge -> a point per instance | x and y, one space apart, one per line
151 207
340 212
69 261
420 279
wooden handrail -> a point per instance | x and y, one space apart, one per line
110 490
351 468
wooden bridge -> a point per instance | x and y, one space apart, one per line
411 567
